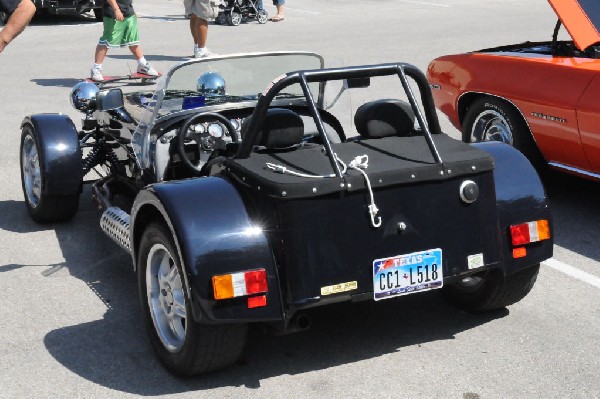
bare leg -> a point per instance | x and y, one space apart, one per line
279 10
136 51
199 29
100 54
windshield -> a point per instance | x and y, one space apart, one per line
218 82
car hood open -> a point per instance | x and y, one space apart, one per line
581 18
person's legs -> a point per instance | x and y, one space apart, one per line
199 28
279 5
100 54
136 50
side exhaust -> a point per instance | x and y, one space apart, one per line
115 223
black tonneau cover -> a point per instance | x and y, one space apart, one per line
391 160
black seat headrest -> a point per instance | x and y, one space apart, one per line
383 118
281 129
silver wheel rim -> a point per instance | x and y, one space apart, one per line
491 126
236 18
32 177
166 300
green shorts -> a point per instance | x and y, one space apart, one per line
120 33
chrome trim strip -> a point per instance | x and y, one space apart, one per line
575 170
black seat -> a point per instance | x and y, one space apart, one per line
282 129
383 118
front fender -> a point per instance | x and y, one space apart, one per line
214 235
60 157
520 197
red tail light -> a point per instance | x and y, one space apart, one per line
233 285
526 233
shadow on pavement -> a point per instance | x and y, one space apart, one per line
575 208
115 352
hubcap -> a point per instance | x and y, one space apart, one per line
32 177
491 126
165 298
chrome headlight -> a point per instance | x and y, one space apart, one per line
211 84
83 96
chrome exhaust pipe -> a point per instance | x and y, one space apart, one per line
115 223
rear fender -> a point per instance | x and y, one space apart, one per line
60 154
214 235
520 197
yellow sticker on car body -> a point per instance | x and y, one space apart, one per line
337 288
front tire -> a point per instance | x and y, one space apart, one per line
493 119
3 17
234 19
262 17
183 345
42 208
490 291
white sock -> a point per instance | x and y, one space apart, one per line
97 66
142 61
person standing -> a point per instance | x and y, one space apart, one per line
21 12
120 30
279 5
199 12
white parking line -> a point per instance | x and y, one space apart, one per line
426 3
573 272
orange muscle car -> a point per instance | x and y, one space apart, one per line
542 98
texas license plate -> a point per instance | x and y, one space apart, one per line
407 274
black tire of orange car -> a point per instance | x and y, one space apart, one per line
491 291
522 139
48 208
98 14
205 347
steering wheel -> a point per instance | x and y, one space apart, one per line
206 141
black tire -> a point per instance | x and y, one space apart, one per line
3 17
493 119
98 14
262 17
42 208
234 19
199 348
491 291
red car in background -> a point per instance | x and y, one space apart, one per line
542 98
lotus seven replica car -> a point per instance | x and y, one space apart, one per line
540 97
247 191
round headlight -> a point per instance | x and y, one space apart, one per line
83 96
211 84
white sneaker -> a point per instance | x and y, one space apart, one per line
96 75
202 53
147 70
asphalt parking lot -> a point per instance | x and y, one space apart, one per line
70 319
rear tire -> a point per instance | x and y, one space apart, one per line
493 119
98 14
490 292
183 345
42 208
